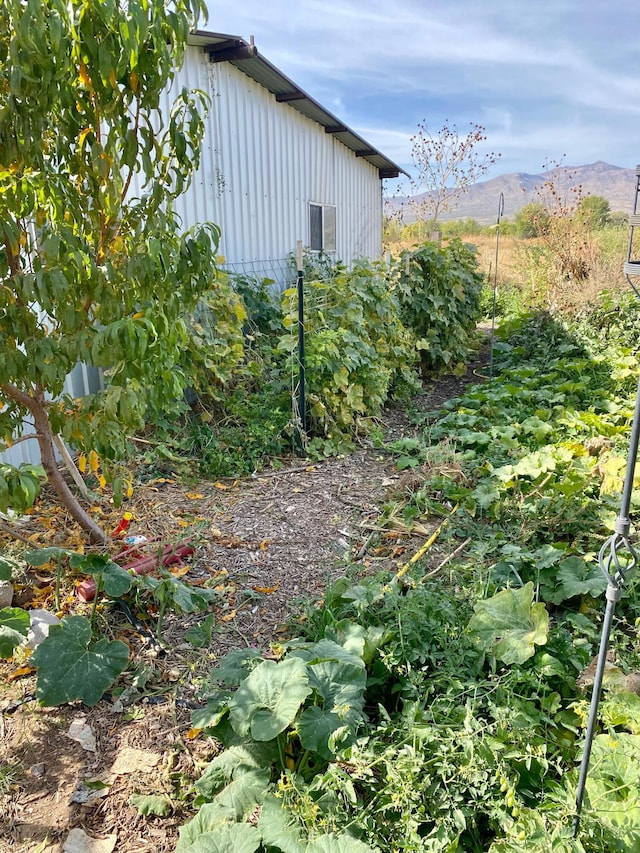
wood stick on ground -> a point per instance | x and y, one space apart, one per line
71 467
8 529
451 556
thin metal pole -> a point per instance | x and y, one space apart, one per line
615 571
613 594
302 402
495 283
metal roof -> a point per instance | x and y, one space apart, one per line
244 56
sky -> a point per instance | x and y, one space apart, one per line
550 80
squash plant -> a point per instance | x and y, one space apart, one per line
440 290
357 350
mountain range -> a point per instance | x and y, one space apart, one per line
616 184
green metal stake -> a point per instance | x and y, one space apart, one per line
302 401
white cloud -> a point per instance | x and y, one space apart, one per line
544 76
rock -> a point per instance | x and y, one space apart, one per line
6 594
41 621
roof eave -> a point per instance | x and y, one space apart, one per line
245 57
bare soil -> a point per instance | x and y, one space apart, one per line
272 543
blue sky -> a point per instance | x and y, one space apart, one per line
547 78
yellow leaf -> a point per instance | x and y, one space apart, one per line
82 463
129 491
138 315
265 544
218 485
112 79
194 496
231 615
94 461
183 523
20 672
83 135
193 733
134 81
83 74
180 571
102 481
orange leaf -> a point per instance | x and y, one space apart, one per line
267 590
84 75
193 733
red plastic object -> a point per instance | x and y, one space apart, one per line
122 525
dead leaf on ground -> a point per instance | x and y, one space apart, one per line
130 760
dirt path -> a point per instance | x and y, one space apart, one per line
270 542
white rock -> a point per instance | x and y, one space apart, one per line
41 621
81 732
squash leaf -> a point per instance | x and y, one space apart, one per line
509 625
71 667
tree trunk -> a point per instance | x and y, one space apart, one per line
37 406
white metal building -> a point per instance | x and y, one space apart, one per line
276 166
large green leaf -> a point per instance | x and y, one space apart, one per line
577 577
14 627
225 838
71 667
509 625
113 578
338 678
233 762
613 783
337 844
268 700
278 828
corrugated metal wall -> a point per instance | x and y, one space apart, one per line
263 163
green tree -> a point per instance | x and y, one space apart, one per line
531 220
93 263
593 212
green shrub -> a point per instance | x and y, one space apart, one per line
357 349
441 296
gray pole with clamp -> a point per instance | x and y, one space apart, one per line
617 557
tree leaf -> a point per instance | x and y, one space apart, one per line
14 628
71 667
509 625
269 699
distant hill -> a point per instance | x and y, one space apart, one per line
614 183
